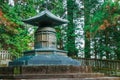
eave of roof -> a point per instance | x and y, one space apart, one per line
45 18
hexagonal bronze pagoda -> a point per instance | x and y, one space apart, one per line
45 36
45 52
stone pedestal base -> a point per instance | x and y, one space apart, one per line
45 59
42 72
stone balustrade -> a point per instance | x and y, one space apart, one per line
5 57
109 67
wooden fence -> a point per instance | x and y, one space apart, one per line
5 57
109 67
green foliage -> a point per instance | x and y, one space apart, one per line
16 38
89 9
101 29
105 30
70 45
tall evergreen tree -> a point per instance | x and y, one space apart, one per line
89 8
72 51
105 26
15 35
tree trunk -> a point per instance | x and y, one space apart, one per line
71 29
86 33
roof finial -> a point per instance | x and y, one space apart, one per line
46 4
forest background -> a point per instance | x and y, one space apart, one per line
93 30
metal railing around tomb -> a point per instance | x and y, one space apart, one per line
109 67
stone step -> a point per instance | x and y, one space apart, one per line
67 76
98 78
102 78
49 76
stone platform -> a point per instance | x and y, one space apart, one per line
27 72
51 73
44 59
68 76
49 76
44 69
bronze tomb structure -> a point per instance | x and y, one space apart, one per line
45 51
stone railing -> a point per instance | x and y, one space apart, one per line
109 67
5 57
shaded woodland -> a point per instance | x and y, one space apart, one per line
101 26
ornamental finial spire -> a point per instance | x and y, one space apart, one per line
46 4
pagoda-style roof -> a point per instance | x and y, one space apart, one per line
45 18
